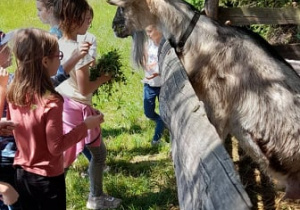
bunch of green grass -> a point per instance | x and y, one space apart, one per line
108 64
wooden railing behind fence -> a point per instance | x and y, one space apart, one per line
248 16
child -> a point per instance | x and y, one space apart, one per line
46 9
88 37
49 13
77 91
7 141
7 172
152 81
37 108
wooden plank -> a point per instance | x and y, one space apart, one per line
205 174
270 16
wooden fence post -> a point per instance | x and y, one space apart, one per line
205 174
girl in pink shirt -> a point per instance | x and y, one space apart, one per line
37 109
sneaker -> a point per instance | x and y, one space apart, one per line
103 202
154 143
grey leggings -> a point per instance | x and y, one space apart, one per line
96 167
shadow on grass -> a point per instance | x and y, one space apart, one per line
138 151
165 199
134 129
121 131
136 169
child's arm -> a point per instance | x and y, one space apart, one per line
6 127
3 84
76 56
9 194
86 86
153 76
57 140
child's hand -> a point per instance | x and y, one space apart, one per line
9 194
94 121
105 77
152 76
3 77
83 49
6 128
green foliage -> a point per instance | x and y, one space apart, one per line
108 64
256 3
246 3
199 4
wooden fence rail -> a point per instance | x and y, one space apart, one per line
205 174
268 16
247 16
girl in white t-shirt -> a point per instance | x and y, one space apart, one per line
77 92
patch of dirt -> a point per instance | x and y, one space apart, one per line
262 190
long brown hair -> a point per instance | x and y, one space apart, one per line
73 12
31 78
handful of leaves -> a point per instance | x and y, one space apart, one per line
108 63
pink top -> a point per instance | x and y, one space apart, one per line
39 136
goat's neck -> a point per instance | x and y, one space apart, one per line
174 18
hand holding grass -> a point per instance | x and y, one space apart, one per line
109 64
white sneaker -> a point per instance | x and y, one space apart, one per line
103 202
154 143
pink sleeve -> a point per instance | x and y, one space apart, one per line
57 141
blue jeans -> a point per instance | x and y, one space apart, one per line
150 95
59 77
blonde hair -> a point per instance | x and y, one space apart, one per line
31 78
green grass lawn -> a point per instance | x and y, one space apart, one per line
142 176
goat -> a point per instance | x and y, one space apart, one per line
248 89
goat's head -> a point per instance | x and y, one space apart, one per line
118 24
131 16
